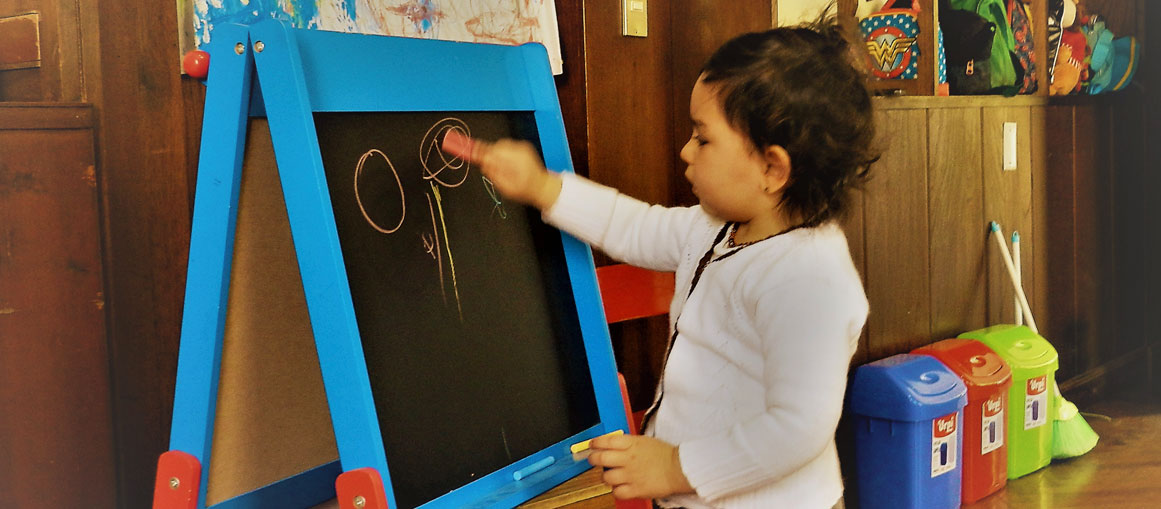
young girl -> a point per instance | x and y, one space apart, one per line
768 306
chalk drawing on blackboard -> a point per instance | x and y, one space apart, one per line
431 155
431 244
504 435
498 205
402 199
447 245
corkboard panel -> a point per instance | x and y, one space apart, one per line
272 418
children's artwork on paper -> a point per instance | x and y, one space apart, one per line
487 21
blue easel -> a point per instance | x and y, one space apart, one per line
287 75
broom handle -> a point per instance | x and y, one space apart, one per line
1020 297
1019 275
1007 257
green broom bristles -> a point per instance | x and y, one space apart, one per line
1071 434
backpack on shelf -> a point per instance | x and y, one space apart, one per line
1022 34
967 41
1005 73
891 35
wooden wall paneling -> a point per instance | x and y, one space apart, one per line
72 75
630 103
1151 77
20 41
1038 14
1122 16
698 29
570 85
142 115
928 55
1093 237
64 47
1053 223
853 224
1008 201
1134 191
895 209
56 426
955 201
629 108
41 83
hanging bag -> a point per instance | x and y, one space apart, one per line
1020 21
1003 62
968 39
891 35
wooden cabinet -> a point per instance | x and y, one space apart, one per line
56 440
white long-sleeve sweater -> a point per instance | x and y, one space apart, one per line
754 383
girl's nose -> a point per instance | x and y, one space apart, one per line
686 153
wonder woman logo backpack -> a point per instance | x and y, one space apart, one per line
891 37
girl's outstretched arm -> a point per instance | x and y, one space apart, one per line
513 167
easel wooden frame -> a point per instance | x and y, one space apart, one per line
286 74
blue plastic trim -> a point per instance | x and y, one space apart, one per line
498 490
578 256
304 489
347 72
211 248
320 257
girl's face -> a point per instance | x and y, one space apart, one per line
726 171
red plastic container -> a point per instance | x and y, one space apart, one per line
985 440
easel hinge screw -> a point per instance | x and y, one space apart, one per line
360 502
259 46
239 48
174 483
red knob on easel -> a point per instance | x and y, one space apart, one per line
196 63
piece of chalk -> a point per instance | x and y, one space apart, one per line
581 446
533 468
457 144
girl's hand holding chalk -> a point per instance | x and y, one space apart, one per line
513 167
584 446
639 466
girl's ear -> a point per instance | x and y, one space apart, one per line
777 168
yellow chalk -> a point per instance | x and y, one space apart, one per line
581 446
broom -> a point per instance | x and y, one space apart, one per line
1071 434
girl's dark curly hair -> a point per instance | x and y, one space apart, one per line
802 88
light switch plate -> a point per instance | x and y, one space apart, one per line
635 18
1010 146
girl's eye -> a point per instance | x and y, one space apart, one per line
699 140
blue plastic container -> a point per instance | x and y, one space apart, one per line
908 419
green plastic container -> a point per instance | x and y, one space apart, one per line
1031 399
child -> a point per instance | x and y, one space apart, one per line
768 306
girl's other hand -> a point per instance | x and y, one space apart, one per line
639 466
513 167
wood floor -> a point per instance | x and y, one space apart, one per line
1122 472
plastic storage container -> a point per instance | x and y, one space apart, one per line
907 413
988 379
1033 362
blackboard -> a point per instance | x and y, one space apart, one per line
462 299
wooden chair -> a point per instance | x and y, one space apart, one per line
630 293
